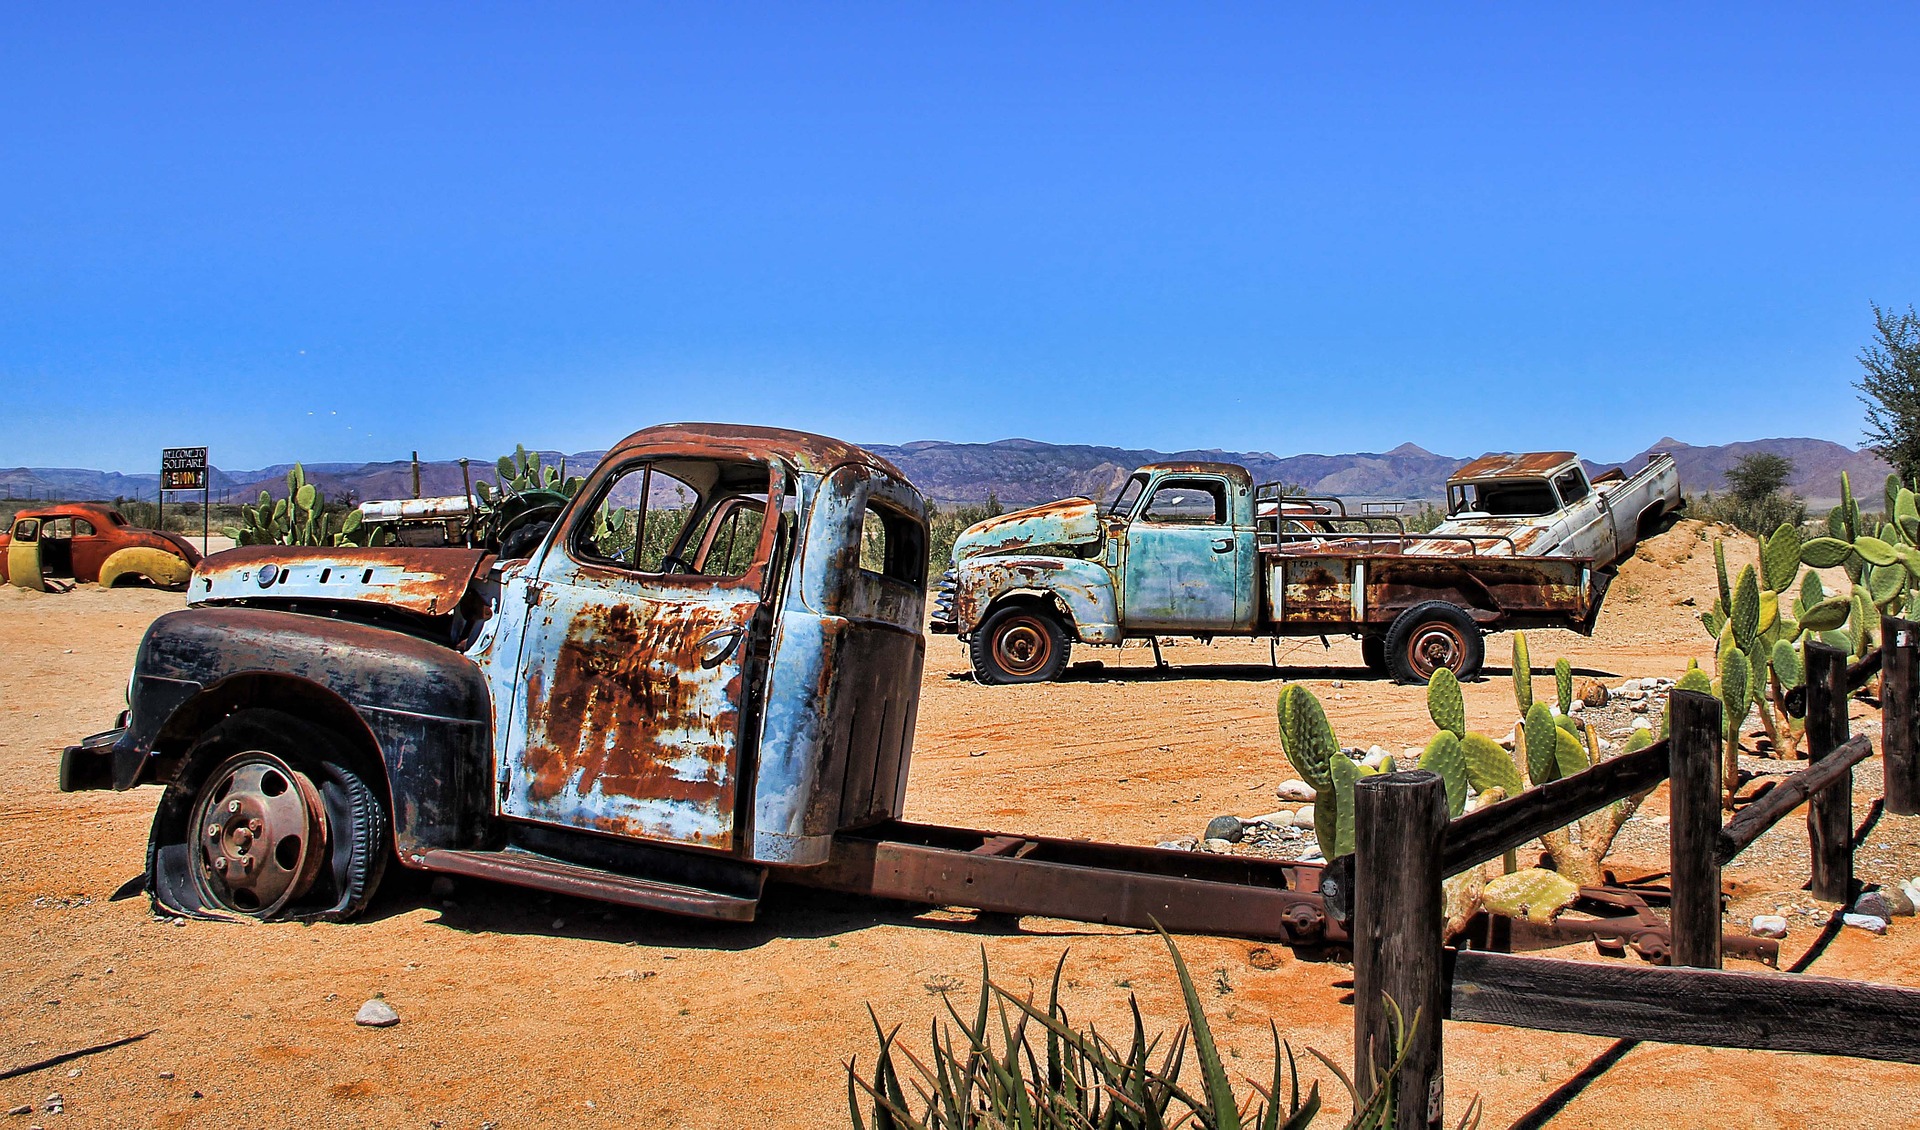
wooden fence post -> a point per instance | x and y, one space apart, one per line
1693 751
1900 713
1829 811
1399 825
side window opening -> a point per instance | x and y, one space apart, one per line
1572 487
1129 494
1188 501
892 545
27 529
82 528
678 516
58 528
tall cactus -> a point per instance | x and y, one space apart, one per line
299 519
1563 685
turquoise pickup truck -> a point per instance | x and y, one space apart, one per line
1197 549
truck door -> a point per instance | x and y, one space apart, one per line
634 661
1589 521
1182 566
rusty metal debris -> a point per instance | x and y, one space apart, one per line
1614 918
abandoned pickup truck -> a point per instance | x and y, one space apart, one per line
1195 549
704 677
1544 503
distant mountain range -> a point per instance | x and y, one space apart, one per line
1018 472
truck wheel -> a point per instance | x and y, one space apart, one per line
269 820
1373 651
1019 643
1430 636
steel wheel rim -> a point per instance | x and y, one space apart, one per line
1022 646
260 834
1434 646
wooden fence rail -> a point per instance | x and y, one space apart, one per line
1404 848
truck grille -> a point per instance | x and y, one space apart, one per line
943 602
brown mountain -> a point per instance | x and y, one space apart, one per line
1018 472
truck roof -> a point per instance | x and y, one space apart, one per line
1194 467
803 450
1509 465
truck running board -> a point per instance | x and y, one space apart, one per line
1184 891
525 869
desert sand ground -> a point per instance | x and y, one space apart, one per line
522 1010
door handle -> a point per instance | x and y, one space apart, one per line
1223 545
715 646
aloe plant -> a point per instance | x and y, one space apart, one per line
985 1072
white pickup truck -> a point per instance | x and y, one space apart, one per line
1541 504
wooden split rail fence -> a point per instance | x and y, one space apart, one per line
1404 846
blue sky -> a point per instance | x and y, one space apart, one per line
342 233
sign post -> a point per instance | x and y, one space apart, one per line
185 468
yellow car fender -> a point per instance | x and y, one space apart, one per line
164 569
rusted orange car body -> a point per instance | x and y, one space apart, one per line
79 540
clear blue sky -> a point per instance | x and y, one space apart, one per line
336 232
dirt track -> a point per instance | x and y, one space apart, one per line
521 1010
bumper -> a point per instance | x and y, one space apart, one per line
89 765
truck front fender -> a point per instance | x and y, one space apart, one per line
1084 588
423 710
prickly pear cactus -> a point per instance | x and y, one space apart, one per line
1720 573
1825 553
1542 740
1744 615
1445 704
1522 673
1787 666
1568 755
1307 736
1695 680
1780 558
1563 685
1444 756
1339 821
1736 675
1638 740
1489 766
1535 894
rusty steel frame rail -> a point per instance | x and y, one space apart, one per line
1113 884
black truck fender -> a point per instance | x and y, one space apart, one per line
418 711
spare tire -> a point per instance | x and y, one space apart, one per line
1433 635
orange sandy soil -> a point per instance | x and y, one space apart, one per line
522 1010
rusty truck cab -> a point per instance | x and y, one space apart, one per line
717 648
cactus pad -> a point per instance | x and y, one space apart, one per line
1736 675
1306 735
1542 738
1489 766
1780 558
1563 685
1522 673
1444 756
1445 704
1825 553
1534 893
1569 757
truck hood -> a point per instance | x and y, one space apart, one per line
430 582
1510 537
1070 521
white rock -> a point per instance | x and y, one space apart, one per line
1768 926
1378 751
1579 707
1304 817
1295 789
1871 923
1630 686
1553 708
1219 845
1377 759
1642 724
376 1013
1174 845
1279 818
